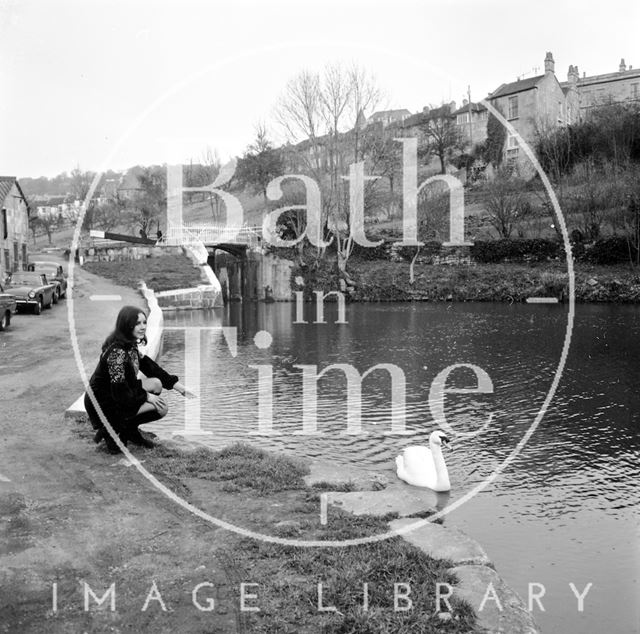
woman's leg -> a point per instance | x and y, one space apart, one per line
152 385
146 414
101 432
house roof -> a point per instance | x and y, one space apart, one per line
6 183
475 107
633 73
385 113
425 115
516 86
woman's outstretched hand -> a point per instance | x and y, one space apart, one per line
184 391
159 403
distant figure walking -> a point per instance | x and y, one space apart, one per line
125 400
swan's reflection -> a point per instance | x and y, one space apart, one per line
442 500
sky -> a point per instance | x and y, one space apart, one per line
102 84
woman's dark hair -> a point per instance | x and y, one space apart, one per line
125 323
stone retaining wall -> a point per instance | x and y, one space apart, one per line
189 298
124 251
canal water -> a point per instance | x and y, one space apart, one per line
565 511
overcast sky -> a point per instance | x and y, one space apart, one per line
110 84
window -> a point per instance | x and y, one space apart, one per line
635 94
5 225
7 261
513 147
463 118
24 257
513 107
16 257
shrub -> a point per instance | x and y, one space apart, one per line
611 250
531 250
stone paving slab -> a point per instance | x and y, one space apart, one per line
360 479
442 542
510 616
396 498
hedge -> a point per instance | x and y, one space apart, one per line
521 250
610 250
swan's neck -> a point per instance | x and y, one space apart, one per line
442 473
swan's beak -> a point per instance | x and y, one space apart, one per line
446 444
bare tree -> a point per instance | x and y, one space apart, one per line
443 137
504 199
320 113
48 220
365 97
261 162
80 183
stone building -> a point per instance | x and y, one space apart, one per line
14 227
597 90
534 105
388 117
471 119
540 104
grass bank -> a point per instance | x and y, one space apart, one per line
384 280
266 492
381 280
165 273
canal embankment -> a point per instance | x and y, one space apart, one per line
381 280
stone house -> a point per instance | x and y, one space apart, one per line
534 105
14 227
597 90
540 104
471 119
388 117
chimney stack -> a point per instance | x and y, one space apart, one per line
549 64
622 66
573 75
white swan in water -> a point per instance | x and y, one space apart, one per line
425 466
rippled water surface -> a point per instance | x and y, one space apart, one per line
564 511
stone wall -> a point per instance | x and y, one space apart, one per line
258 277
189 298
119 252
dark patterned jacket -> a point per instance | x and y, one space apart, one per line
115 382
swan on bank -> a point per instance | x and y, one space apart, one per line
424 466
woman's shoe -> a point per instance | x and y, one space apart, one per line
137 438
112 447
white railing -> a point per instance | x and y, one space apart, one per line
213 234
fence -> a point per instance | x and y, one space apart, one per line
189 233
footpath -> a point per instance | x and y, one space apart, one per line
71 514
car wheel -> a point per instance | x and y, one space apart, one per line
55 298
5 320
37 309
50 304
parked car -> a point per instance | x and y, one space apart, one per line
32 290
8 307
54 273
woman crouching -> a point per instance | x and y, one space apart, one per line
125 400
